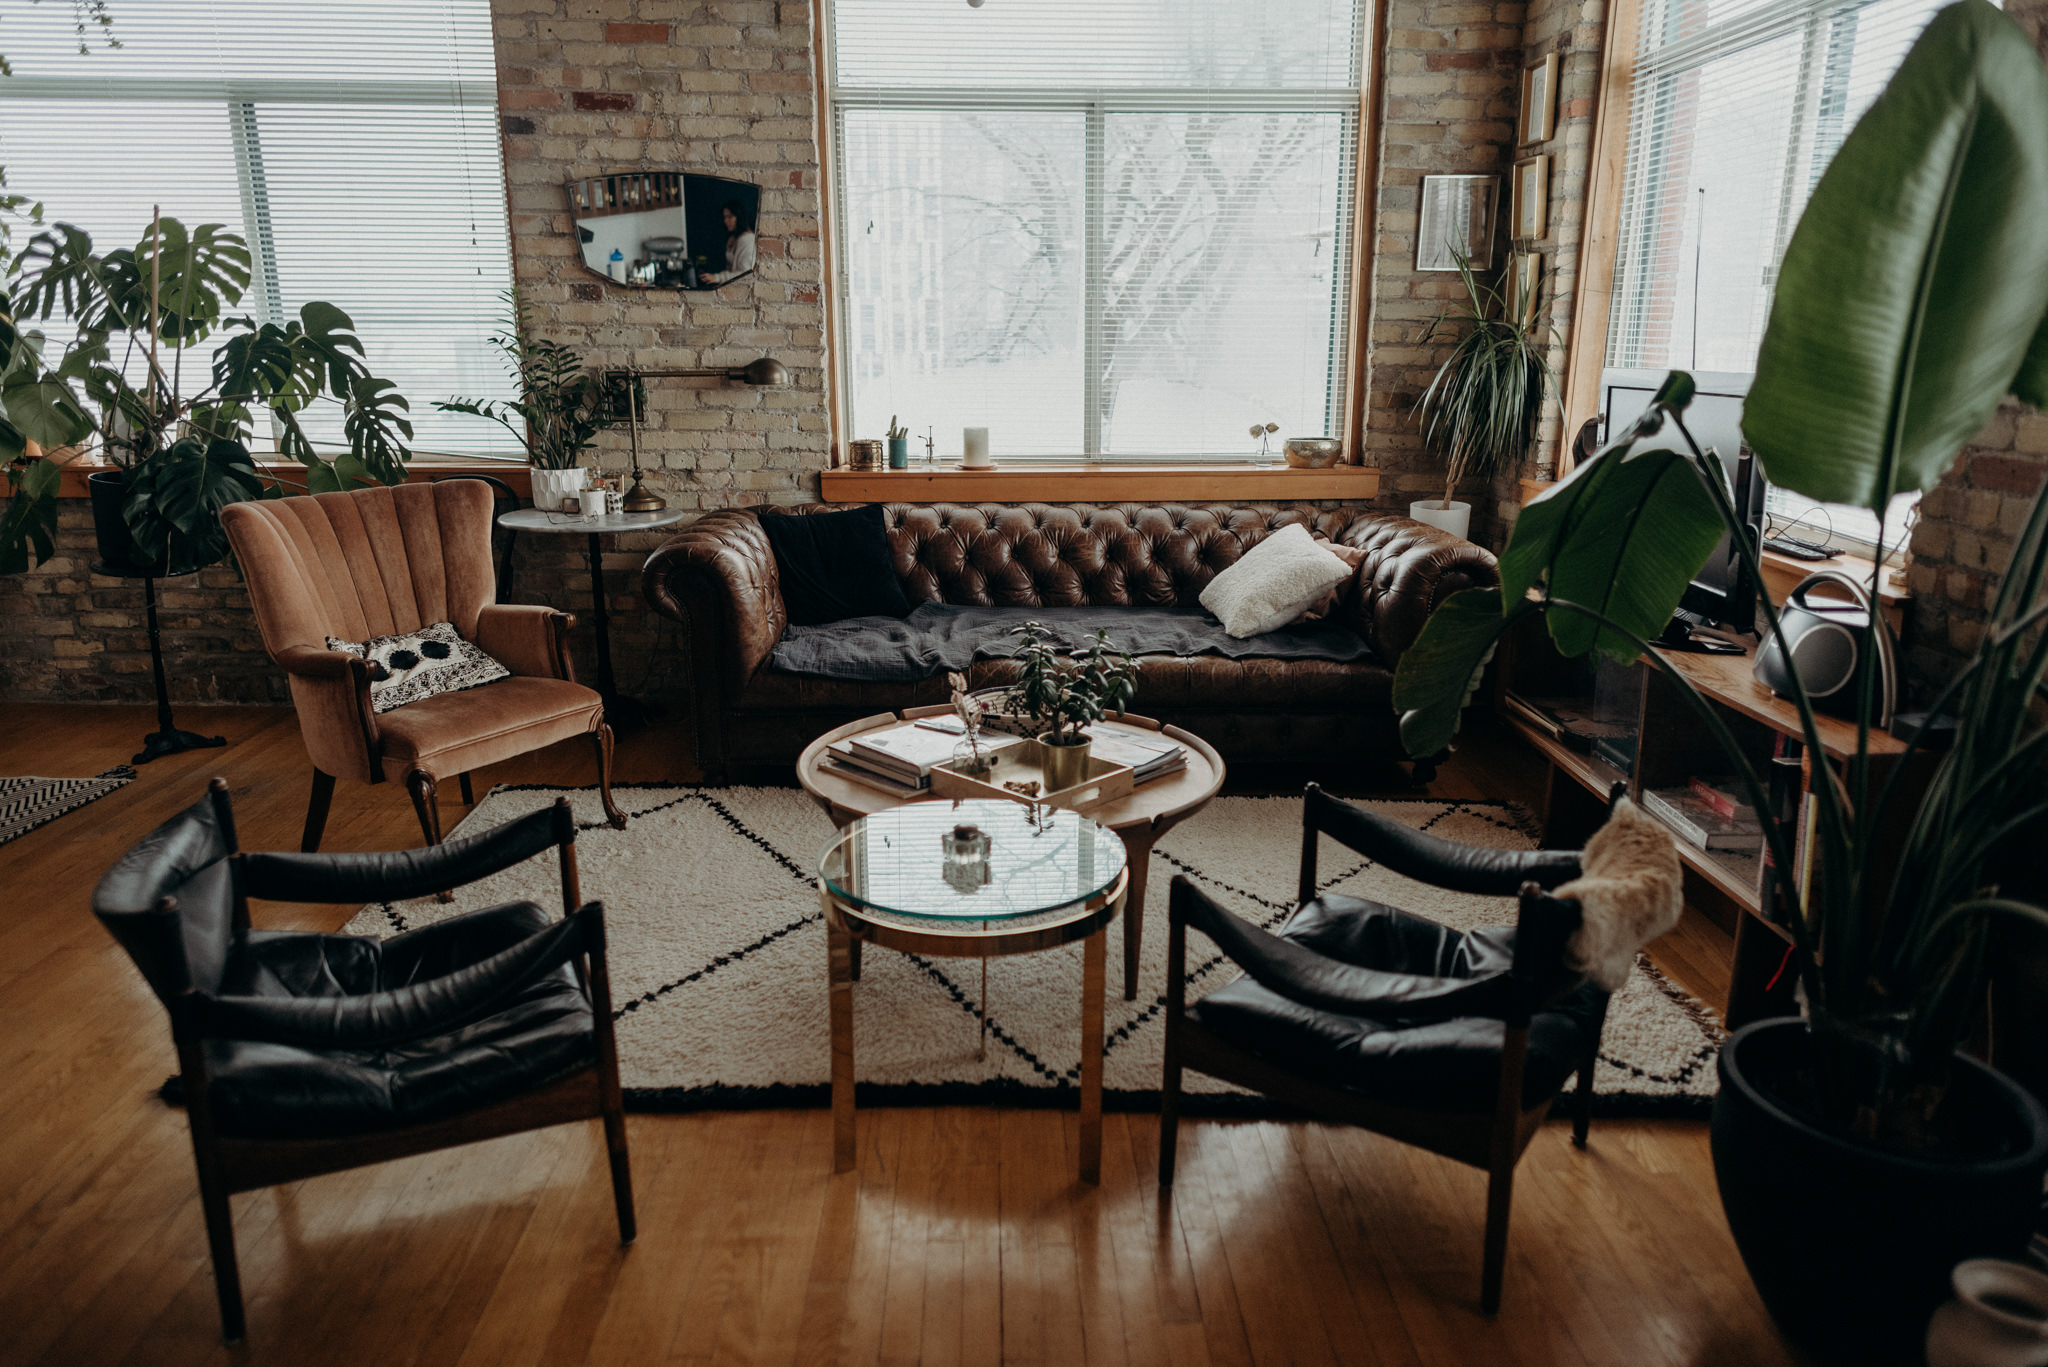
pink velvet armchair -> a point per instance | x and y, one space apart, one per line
376 562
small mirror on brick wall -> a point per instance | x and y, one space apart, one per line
666 230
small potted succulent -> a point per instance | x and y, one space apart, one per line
1063 692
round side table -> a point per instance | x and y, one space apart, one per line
1030 878
1150 811
618 710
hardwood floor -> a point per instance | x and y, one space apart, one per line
961 1236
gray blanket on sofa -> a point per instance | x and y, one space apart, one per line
940 636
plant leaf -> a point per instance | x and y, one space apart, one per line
1437 675
1624 540
1918 275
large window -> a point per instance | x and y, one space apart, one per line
1099 228
355 147
1738 106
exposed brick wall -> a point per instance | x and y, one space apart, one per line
1576 30
728 88
1453 94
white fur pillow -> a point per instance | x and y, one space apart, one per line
1628 891
1275 582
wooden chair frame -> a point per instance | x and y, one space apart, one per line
229 1165
1489 1140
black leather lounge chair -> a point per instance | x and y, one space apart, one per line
1456 1042
302 1054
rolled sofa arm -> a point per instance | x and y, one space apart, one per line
1409 568
719 576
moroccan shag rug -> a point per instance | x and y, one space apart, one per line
26 803
717 953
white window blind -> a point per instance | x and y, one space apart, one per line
355 147
1737 108
1099 228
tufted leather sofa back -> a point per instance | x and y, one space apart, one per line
1033 555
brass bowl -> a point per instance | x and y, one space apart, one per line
1312 453
866 457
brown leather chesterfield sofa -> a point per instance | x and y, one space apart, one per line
719 578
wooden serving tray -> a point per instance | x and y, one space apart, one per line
1106 782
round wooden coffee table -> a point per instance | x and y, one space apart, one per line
1039 878
1149 812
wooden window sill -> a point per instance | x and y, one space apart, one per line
1101 484
517 475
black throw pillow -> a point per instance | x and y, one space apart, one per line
835 565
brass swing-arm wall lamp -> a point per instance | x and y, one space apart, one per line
767 372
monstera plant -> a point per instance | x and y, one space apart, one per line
132 388
1859 1154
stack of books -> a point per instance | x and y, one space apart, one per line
900 759
1147 754
1705 823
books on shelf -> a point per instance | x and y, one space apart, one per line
1699 825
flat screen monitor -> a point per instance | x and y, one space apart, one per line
1720 592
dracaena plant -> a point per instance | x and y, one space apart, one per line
1480 409
561 406
1064 691
132 386
1913 298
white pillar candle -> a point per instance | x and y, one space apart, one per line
974 444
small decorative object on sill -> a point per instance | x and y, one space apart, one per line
931 449
899 445
974 449
1264 432
591 502
1311 453
865 457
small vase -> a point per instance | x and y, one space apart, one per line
1064 766
899 453
974 761
1999 1318
1455 518
556 490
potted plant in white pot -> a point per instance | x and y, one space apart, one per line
559 412
1859 1154
1479 412
1063 692
177 444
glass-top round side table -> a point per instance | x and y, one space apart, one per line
971 879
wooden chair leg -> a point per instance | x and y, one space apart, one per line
468 795
1176 1005
1169 1108
603 739
316 812
1500 1190
420 784
1582 1099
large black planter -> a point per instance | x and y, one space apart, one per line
1851 1245
109 490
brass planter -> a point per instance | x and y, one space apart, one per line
1064 766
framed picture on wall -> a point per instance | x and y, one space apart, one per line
1530 216
1539 102
1523 288
1456 216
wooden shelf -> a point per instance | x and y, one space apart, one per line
1726 679
1022 483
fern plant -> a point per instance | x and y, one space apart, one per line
1480 410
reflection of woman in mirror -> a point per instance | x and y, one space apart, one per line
739 244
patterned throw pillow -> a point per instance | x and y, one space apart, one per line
419 664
